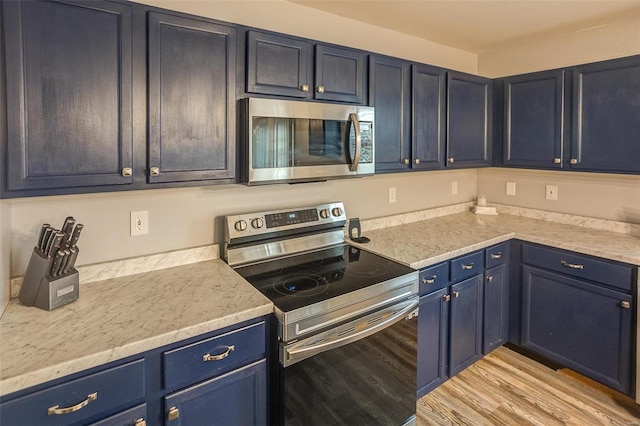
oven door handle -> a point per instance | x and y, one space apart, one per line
347 333
353 117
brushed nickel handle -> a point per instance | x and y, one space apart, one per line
446 297
557 161
57 410
173 414
223 355
625 304
406 161
320 89
416 161
489 279
467 267
353 117
450 159
127 171
456 294
429 280
304 87
574 161
140 422
154 171
497 255
571 265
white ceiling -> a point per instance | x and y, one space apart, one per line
479 26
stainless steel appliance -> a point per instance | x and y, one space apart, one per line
345 329
295 141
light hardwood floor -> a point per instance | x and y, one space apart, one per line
507 388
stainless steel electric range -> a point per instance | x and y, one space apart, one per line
346 327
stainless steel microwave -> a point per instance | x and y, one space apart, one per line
296 141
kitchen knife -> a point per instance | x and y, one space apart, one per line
56 263
75 236
64 266
55 243
41 236
67 229
72 259
45 240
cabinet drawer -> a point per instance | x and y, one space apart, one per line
92 395
136 416
467 266
434 278
600 270
213 356
496 255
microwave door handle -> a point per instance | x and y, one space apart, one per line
353 117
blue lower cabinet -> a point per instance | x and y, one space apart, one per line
496 308
135 416
433 337
582 325
236 398
465 343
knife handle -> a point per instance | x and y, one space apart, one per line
41 236
76 235
55 243
67 229
56 264
71 263
45 240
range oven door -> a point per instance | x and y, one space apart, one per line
362 372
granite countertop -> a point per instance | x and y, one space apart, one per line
120 317
423 243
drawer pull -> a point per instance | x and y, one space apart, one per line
56 410
625 304
467 267
571 265
304 87
223 355
173 413
429 280
489 278
456 294
446 297
140 422
497 255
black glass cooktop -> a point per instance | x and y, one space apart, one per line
302 280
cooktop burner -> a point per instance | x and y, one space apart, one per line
302 280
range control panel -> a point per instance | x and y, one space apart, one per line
263 223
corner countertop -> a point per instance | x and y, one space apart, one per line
426 242
119 317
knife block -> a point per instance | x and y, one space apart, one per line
43 291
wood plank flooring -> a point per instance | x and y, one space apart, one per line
507 388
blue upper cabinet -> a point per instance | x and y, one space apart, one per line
469 115
390 94
534 120
191 99
606 116
69 94
428 117
287 66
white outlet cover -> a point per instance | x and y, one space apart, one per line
392 194
139 223
511 188
454 187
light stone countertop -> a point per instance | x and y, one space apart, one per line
423 243
119 317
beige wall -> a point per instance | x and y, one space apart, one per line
5 252
614 197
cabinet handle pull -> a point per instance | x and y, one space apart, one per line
574 161
557 161
467 267
320 89
154 171
56 410
571 265
456 294
127 171
446 297
140 422
416 161
173 414
625 304
406 161
489 278
223 355
304 87
450 159
497 255
430 280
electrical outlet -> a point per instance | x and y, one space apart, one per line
551 192
511 188
454 187
139 223
392 194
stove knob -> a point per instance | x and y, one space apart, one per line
324 213
240 225
337 211
257 223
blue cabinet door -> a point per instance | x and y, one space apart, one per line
433 334
469 115
496 308
465 342
428 117
390 94
606 116
235 398
191 99
534 120
340 74
69 94
581 325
